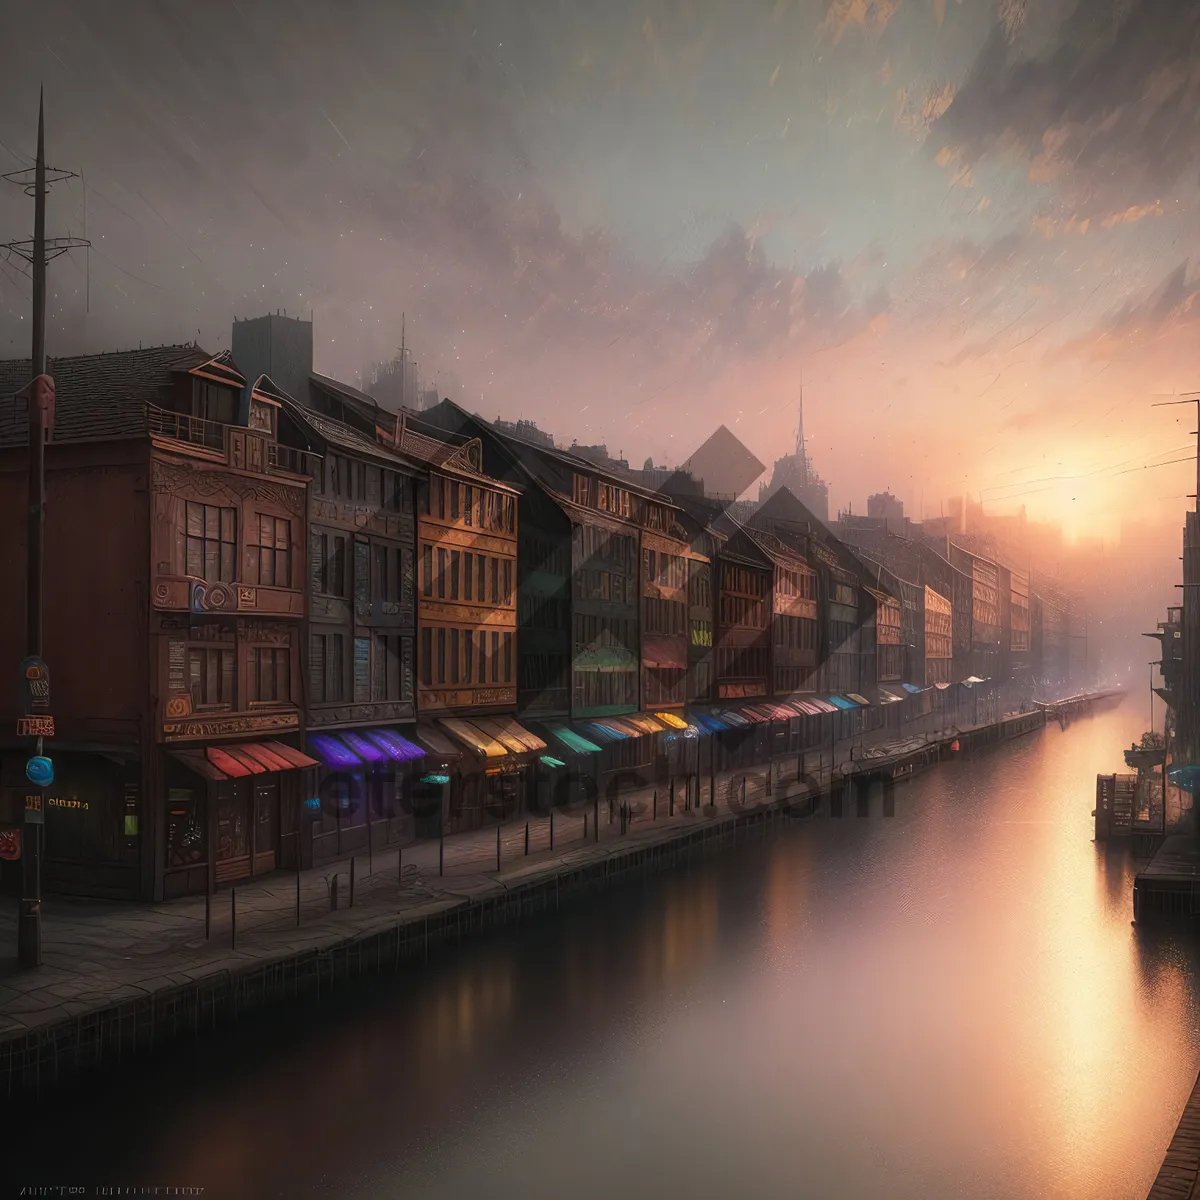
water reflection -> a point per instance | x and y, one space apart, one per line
951 1002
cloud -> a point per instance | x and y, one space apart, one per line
1105 111
865 14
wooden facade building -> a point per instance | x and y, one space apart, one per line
174 583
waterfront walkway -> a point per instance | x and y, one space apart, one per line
111 965
1179 1176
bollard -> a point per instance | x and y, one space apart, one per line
743 790
441 852
497 849
352 881
297 898
207 914
400 866
526 837
233 918
552 829
585 827
333 893
596 818
654 809
671 802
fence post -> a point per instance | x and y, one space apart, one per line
552 829
352 881
233 918
400 866
497 849
297 899
596 817
441 852
585 827
654 810
207 914
333 894
527 837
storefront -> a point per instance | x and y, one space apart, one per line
361 789
91 839
497 779
232 812
429 786
573 782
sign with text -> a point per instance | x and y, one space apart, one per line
35 726
35 814
10 844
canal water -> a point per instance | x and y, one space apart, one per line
948 1003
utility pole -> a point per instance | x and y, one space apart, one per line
35 721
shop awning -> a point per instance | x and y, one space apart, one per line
437 745
843 702
643 723
912 689
862 701
707 722
573 741
350 748
548 761
672 719
887 696
516 739
734 718
605 734
241 759
941 687
473 737
971 679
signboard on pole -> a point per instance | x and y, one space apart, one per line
35 727
35 814
35 687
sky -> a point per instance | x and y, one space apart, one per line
966 226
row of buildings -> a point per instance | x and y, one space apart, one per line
285 622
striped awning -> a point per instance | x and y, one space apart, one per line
644 723
350 748
473 737
516 739
237 760
736 718
573 741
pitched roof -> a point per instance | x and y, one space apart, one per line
462 460
100 397
334 433
346 392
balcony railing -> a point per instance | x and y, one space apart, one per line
242 448
181 427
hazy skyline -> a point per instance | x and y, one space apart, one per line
968 225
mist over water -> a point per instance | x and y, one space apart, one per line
953 1002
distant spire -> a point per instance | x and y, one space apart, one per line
800 421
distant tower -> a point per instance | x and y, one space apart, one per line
801 449
796 472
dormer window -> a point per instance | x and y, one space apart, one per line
212 402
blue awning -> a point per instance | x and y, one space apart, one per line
842 702
912 689
706 722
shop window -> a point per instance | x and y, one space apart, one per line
426 570
427 657
210 542
327 563
326 668
185 829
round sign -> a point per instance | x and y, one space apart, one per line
39 771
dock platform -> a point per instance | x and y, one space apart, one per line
1169 884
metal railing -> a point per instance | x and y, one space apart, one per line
182 427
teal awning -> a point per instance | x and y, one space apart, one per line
573 741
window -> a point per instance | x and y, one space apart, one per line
211 542
495 657
455 562
482 656
211 402
468 559
274 551
211 676
270 676
339 477
441 573
453 489
427 570
454 656
468 655
362 670
508 645
388 682
437 497
480 578
427 657
508 580
468 506
495 597
441 656
326 669
385 568
327 563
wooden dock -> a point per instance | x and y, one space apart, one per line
1169 885
1179 1174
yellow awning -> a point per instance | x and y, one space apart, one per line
474 737
642 722
516 738
671 719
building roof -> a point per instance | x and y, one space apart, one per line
102 397
335 434
462 460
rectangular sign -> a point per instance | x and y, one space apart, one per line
34 813
35 727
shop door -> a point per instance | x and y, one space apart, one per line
233 830
266 823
